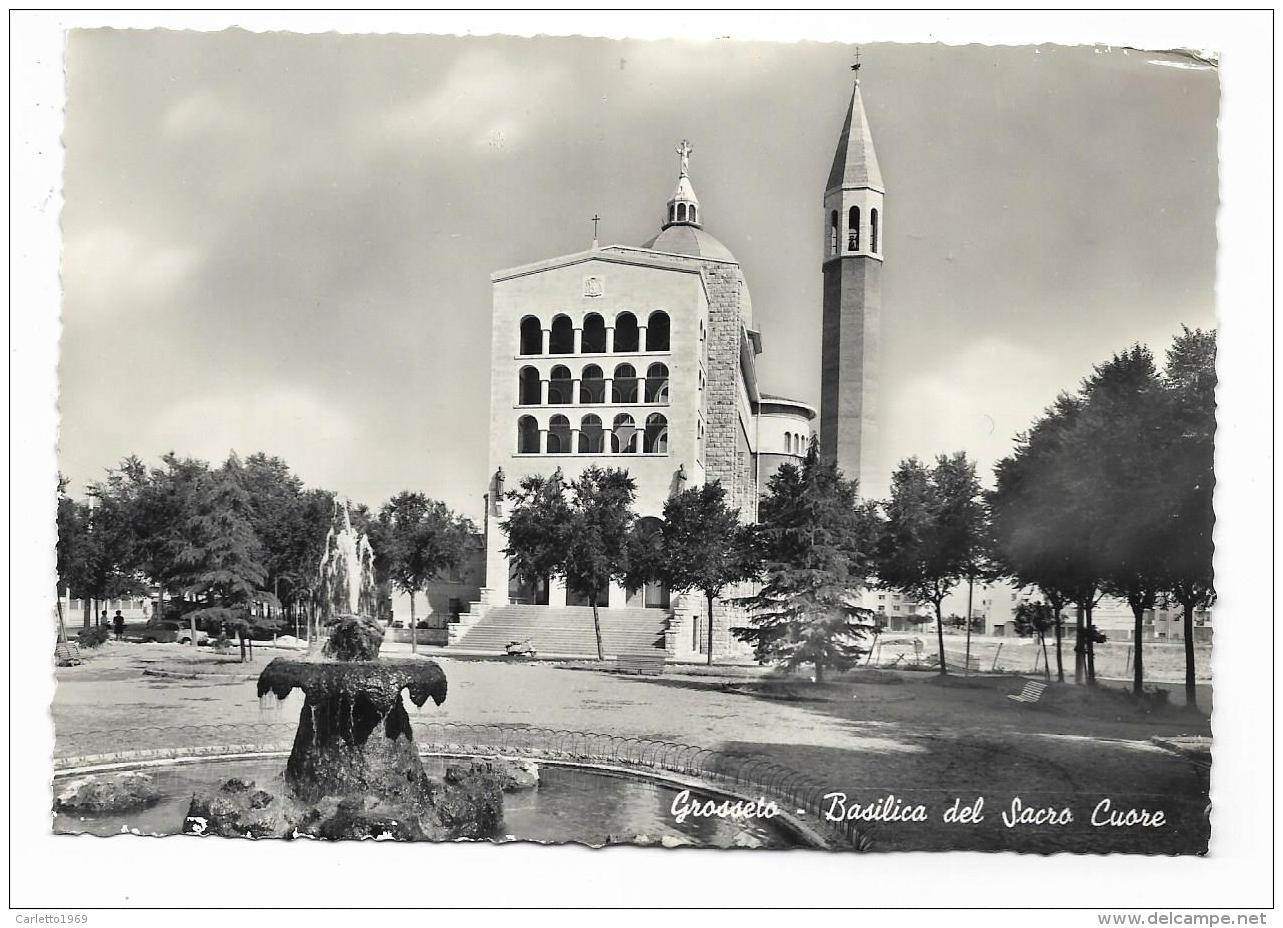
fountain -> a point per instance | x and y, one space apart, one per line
354 770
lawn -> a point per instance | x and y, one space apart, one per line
868 734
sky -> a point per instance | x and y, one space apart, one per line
283 243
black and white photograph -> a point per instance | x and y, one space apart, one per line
648 445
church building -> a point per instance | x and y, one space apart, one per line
645 358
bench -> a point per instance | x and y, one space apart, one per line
1031 693
649 664
66 654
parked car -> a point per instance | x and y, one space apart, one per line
172 630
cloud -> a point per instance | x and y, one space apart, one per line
485 99
975 400
205 113
288 421
109 269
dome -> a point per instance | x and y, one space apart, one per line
690 240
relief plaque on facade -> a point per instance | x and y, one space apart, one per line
594 286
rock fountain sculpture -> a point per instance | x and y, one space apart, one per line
354 770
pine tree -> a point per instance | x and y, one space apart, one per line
815 545
222 560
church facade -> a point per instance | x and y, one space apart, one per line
645 358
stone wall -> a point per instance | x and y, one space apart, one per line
728 456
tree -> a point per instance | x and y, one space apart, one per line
221 562
74 554
422 539
1036 619
1040 530
815 544
1122 444
580 532
700 545
1190 383
97 545
934 531
166 503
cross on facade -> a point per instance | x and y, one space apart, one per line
595 219
856 67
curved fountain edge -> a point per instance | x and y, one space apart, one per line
145 758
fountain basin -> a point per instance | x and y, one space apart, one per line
575 802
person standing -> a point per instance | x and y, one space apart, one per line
118 623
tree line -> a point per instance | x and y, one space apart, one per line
213 541
1109 492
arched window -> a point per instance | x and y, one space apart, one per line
562 338
626 332
559 435
592 439
560 387
657 383
623 435
624 387
527 435
873 231
853 230
833 232
672 212
528 387
657 327
592 385
656 438
691 214
594 338
681 212
531 336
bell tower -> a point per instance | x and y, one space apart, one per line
853 242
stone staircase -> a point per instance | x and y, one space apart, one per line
563 630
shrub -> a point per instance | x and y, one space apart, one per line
92 637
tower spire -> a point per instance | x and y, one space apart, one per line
855 163
854 221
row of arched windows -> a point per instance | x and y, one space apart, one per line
593 386
794 443
624 436
595 337
853 230
682 212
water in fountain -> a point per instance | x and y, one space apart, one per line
346 570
